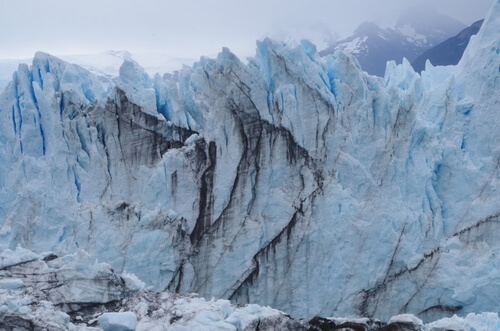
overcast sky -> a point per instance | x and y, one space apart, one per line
190 28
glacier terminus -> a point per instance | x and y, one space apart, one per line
289 180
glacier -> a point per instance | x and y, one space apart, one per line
290 180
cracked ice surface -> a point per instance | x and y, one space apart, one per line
291 181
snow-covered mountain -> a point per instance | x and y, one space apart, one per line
449 51
293 180
415 32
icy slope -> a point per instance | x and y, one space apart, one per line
291 181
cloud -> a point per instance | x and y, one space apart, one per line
191 27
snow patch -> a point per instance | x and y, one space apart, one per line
354 46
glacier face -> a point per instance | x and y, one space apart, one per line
291 181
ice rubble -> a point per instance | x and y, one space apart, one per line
58 294
291 181
74 293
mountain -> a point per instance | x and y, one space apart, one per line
426 24
415 32
449 51
293 181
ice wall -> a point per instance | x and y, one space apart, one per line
291 181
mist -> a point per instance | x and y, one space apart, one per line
194 28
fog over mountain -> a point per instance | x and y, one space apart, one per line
415 32
449 51
195 28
